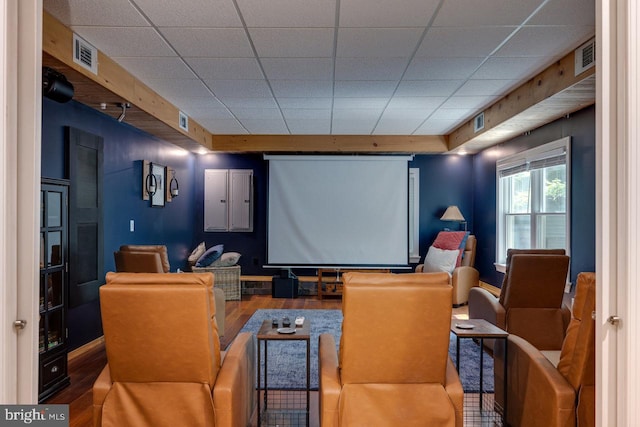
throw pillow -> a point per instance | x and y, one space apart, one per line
227 259
197 252
440 260
451 240
212 254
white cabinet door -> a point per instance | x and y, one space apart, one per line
241 200
216 211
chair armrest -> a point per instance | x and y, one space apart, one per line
234 395
453 386
220 301
419 268
330 385
464 278
101 388
483 305
536 389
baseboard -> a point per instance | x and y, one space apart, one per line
495 291
85 348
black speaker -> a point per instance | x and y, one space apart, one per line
55 86
284 287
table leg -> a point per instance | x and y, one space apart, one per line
481 370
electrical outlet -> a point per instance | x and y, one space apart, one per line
132 225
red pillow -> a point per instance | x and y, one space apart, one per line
450 240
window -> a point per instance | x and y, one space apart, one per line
533 199
414 215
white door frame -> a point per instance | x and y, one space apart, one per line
617 211
20 136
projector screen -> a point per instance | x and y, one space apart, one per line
338 211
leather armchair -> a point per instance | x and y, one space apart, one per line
530 302
465 276
164 366
154 259
545 393
393 367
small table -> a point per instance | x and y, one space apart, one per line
481 329
268 333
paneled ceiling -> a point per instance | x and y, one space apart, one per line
338 67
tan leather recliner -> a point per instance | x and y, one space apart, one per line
465 276
530 302
163 351
547 394
394 367
154 259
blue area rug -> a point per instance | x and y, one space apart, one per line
287 359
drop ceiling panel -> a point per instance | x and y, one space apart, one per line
257 113
486 87
209 113
377 42
293 42
456 114
463 41
116 41
177 89
436 127
565 12
306 113
225 68
360 102
510 68
428 87
370 68
209 42
391 113
463 13
423 102
194 13
298 68
386 13
549 40
356 89
321 103
240 88
156 68
302 88
265 126
232 102
224 126
82 12
404 126
442 68
288 13
352 127
469 102
358 113
309 127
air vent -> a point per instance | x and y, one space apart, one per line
478 122
585 56
183 121
85 54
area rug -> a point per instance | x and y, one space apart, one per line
287 359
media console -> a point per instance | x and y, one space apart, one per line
333 279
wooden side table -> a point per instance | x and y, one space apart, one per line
268 333
336 280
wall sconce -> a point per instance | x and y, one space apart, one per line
150 182
453 214
173 184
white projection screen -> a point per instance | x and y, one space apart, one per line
338 211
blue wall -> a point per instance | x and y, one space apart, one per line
581 127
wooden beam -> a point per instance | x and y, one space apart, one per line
330 143
553 93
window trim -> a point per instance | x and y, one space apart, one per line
548 150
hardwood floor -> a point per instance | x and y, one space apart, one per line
85 368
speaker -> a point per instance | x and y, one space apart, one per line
55 86
284 287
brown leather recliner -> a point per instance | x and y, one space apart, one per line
154 259
530 302
394 367
541 394
465 276
163 351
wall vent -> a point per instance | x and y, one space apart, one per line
183 121
585 56
478 122
85 54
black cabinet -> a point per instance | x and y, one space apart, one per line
53 288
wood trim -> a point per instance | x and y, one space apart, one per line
85 348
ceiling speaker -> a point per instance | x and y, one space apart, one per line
55 85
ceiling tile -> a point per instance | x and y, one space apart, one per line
240 88
441 68
265 126
407 113
195 13
257 113
359 89
486 87
377 42
545 40
82 12
463 13
302 88
226 68
360 102
386 13
321 103
423 102
357 113
370 68
352 127
224 126
293 42
404 126
156 68
436 127
566 12
459 114
309 127
116 41
209 42
198 106
306 114
469 102
204 114
288 13
174 89
428 87
462 41
232 102
511 68
298 68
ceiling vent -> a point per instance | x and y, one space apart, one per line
85 54
478 122
585 56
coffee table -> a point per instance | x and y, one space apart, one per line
277 409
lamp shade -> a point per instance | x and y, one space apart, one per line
452 214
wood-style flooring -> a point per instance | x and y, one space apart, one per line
85 368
